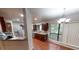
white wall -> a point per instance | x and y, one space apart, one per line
71 33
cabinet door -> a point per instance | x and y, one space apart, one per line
3 24
34 27
45 27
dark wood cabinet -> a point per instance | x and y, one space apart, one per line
34 27
3 24
41 37
45 27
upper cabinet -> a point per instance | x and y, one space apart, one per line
45 27
40 27
34 27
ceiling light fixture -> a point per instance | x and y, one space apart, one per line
67 20
59 21
21 15
35 18
63 19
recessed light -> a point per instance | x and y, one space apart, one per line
21 15
35 18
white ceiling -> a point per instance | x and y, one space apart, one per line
53 13
11 13
40 13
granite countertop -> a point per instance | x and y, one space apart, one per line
40 32
17 38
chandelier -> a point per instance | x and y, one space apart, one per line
63 19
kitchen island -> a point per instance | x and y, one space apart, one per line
43 36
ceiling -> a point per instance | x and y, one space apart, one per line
42 14
54 13
11 13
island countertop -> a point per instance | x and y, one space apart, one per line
43 33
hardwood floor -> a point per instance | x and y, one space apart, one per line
46 45
23 45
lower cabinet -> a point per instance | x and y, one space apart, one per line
41 36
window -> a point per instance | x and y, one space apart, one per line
54 31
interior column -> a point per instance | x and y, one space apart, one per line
28 27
